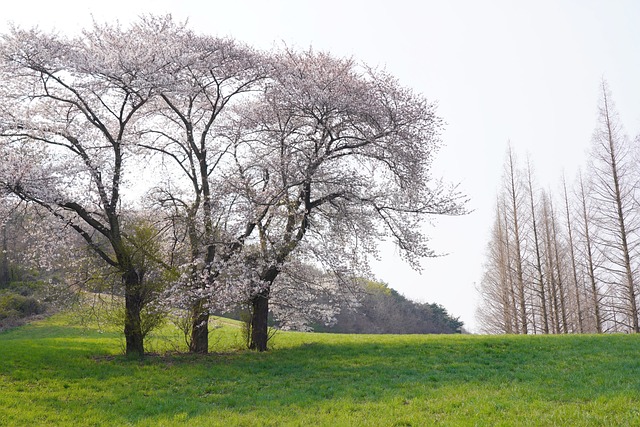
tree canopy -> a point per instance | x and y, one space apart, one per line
253 161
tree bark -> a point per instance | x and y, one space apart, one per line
574 269
199 329
538 265
134 336
512 292
5 275
551 268
560 282
622 214
505 283
518 252
259 334
590 264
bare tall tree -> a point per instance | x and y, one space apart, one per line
589 249
509 269
538 257
550 265
572 254
514 196
559 264
498 309
614 175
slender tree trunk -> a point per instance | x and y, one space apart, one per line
555 310
590 265
132 322
551 268
513 306
518 253
5 275
561 290
574 269
505 284
541 290
630 285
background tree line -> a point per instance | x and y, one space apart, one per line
382 310
372 307
567 262
195 173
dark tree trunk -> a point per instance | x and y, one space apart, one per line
5 275
258 327
199 329
133 300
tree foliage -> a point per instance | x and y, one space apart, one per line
256 165
382 310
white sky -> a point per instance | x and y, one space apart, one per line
525 71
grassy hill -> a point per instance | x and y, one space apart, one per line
56 373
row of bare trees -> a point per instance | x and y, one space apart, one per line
567 263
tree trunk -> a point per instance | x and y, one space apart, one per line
503 254
572 253
258 327
518 252
516 326
590 265
561 286
5 275
132 321
199 329
551 268
538 265
620 201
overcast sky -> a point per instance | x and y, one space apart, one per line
521 71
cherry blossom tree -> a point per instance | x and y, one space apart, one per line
205 75
333 157
69 108
270 165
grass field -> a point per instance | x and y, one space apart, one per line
56 374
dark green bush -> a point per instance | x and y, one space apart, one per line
15 305
25 288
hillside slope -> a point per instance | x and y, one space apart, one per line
55 374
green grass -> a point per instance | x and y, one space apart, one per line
52 373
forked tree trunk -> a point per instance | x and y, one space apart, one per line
132 321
